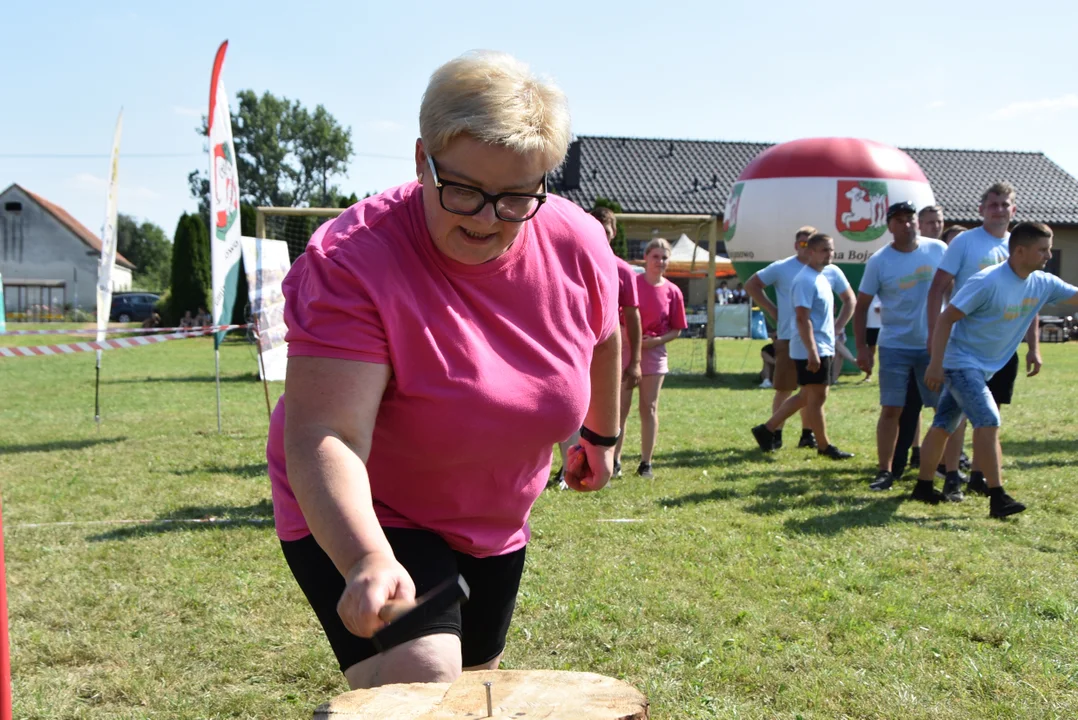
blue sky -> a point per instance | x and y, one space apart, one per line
992 75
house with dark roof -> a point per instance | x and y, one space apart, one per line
49 259
693 177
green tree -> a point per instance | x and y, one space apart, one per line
147 246
286 155
618 245
190 286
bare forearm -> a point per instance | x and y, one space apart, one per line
940 337
1033 334
602 416
860 325
633 330
808 337
755 289
331 485
849 307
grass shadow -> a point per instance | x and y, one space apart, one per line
251 470
709 458
245 377
726 381
194 518
1026 454
58 445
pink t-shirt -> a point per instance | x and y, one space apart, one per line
490 362
662 307
627 295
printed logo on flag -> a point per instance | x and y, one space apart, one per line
861 209
227 194
729 216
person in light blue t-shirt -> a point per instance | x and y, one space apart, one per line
967 255
780 275
899 274
974 337
812 349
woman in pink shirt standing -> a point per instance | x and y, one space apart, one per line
443 335
662 318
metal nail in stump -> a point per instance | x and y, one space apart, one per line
490 707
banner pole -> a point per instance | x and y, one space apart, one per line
97 392
5 645
262 368
217 366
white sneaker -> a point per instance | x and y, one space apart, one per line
766 385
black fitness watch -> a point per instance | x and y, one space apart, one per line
596 439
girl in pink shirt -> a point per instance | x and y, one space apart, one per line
442 336
662 318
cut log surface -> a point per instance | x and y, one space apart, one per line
516 695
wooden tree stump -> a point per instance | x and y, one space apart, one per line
515 695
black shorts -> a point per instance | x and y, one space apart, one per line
1002 383
481 623
820 377
871 336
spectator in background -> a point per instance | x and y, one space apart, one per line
662 318
767 372
723 294
740 296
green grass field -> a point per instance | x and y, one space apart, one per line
746 587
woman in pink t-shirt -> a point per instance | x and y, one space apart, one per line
443 335
662 318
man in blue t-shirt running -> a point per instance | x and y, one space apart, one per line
974 338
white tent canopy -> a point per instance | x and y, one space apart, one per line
685 250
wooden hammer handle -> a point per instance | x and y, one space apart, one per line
393 609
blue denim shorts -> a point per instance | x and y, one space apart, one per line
966 392
896 364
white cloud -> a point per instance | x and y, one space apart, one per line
1063 102
88 182
936 104
186 111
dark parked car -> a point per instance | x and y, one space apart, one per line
132 306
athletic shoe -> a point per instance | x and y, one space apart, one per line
942 472
977 484
964 463
915 458
924 492
834 453
952 488
644 471
558 479
766 385
884 480
777 444
1003 505
617 469
808 440
764 438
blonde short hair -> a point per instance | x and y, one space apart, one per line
495 98
657 243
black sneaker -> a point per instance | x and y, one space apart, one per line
964 463
834 453
644 471
915 458
808 440
952 488
777 444
884 480
617 469
977 485
924 492
558 479
942 473
764 438
1003 505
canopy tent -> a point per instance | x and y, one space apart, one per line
689 260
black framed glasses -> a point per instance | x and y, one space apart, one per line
461 199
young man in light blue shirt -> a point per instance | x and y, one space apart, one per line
781 274
899 274
974 338
968 254
812 349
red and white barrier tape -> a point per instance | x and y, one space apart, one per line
114 331
71 348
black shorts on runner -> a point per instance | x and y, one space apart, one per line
871 336
1001 384
481 623
820 377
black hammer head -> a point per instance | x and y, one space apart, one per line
402 624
